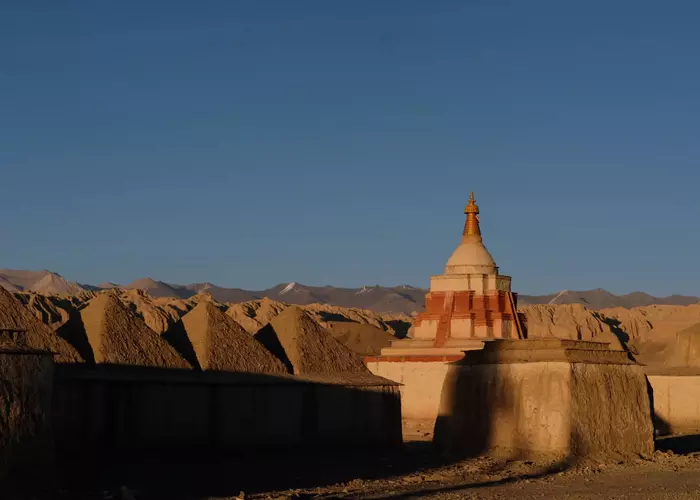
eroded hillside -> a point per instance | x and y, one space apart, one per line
649 331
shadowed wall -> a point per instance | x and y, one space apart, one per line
134 408
27 457
551 397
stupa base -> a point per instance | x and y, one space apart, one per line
558 398
420 368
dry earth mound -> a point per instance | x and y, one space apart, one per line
255 314
62 314
220 343
117 336
14 315
362 339
307 347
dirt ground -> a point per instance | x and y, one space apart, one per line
662 477
673 472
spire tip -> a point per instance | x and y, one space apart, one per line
471 227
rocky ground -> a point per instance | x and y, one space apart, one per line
409 473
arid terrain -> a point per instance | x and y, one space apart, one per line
199 332
131 327
649 332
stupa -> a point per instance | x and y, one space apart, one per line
467 305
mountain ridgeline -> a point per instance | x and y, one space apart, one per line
399 299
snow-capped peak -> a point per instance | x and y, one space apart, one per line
288 288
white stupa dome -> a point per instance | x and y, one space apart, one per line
471 256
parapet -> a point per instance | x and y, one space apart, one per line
542 350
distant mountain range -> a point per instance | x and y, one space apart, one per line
602 299
399 299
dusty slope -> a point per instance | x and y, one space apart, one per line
159 289
118 336
54 310
8 285
571 321
159 313
45 308
222 344
22 279
106 285
655 323
307 347
55 284
14 315
365 332
643 324
255 314
362 339
647 330
15 280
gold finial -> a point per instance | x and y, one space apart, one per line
471 226
472 207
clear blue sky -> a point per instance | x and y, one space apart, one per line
254 142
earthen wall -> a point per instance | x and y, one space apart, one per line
26 440
124 408
421 379
676 400
533 409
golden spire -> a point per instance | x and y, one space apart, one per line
471 226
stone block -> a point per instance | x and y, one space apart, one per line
545 398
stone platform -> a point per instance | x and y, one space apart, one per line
426 348
545 397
